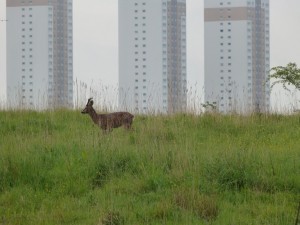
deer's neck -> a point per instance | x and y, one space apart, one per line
94 116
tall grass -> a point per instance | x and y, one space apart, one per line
56 167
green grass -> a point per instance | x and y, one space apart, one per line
57 167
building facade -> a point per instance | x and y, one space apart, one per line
152 55
39 53
237 55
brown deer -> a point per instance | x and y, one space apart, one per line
110 120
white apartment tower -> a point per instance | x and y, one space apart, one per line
39 53
152 55
237 55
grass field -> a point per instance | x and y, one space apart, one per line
56 167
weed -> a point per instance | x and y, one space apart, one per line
113 218
56 168
205 207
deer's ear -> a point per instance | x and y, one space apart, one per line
90 101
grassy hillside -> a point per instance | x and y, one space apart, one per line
58 168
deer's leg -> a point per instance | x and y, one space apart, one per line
106 130
127 125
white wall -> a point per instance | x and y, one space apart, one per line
230 90
152 25
234 83
19 82
232 3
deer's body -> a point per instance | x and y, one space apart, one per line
108 121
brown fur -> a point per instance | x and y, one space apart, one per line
108 121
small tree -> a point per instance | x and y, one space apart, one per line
289 75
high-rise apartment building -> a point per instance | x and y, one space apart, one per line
152 55
237 55
39 53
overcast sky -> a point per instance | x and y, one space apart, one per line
96 41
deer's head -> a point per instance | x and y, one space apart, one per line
89 106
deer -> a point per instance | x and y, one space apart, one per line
110 120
